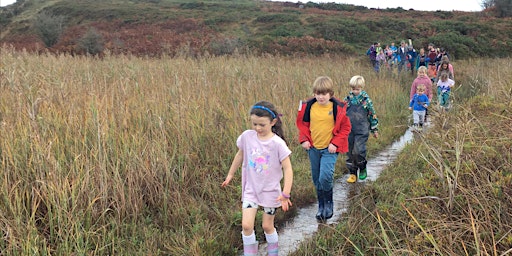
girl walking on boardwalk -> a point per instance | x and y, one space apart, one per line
263 155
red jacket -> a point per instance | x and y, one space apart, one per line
341 129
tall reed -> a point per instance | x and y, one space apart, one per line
124 155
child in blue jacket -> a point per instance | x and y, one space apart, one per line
419 104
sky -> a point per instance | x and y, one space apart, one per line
6 2
420 5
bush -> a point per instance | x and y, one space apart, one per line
49 27
91 42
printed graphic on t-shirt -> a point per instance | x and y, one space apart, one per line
259 161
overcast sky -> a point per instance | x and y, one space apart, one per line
424 5
420 5
6 2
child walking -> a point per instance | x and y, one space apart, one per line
323 132
264 156
364 120
444 86
419 104
423 79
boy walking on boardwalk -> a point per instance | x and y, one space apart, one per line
323 132
363 120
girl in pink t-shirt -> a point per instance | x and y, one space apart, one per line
264 157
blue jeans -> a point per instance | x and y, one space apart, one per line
322 168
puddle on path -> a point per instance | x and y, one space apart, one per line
304 225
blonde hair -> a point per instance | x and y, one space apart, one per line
420 87
357 82
323 85
422 69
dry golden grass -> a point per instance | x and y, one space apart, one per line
125 156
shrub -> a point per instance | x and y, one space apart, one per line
91 42
49 27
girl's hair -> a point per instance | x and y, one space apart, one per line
357 82
267 109
422 69
323 85
447 65
444 75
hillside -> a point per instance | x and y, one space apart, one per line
180 27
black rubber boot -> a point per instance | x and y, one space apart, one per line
320 213
328 205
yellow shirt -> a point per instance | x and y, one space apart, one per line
321 124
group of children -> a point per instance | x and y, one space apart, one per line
422 92
327 127
406 57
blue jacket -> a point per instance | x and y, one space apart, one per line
418 102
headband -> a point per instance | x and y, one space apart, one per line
266 109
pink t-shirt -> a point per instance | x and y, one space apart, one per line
261 169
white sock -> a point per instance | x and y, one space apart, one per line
250 239
272 238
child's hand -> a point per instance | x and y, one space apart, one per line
306 145
226 181
410 108
376 134
332 148
425 105
285 202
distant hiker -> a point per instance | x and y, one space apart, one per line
363 120
445 67
373 56
323 132
264 156
381 60
422 59
440 54
424 80
411 58
419 104
432 66
392 58
402 55
444 86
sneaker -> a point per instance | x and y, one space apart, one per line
362 174
352 178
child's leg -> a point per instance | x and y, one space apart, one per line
314 159
446 99
421 117
360 150
326 180
415 117
249 210
350 162
270 233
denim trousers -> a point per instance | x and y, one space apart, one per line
322 168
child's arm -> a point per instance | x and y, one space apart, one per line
284 198
237 161
372 117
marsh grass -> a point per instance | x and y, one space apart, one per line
449 193
125 155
